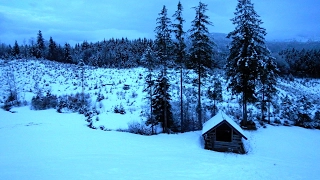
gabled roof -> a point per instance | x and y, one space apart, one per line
217 119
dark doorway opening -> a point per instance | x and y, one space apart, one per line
224 133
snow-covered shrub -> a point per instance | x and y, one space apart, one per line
100 97
119 109
12 100
102 127
289 109
139 128
277 121
134 94
316 116
90 123
126 87
79 102
250 125
40 102
302 120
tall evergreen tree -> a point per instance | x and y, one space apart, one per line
247 53
267 80
163 47
180 53
67 53
163 42
148 61
201 51
16 49
215 93
161 106
52 53
40 46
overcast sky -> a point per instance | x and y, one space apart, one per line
93 20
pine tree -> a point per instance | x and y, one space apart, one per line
52 54
201 51
160 103
267 80
67 53
163 47
148 60
16 49
163 42
40 46
180 53
215 93
247 54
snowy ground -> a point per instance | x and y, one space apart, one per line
47 145
32 76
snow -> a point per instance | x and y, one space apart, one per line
219 117
48 145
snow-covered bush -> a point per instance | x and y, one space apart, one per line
134 94
139 128
316 116
100 97
40 102
119 109
12 100
126 87
79 102
302 120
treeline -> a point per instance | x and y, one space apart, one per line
302 63
119 53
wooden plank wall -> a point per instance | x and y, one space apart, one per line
235 146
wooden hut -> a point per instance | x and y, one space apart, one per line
222 134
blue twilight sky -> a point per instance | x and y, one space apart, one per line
93 20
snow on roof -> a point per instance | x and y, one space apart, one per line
215 120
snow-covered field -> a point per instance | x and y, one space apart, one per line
48 145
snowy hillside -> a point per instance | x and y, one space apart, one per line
48 145
111 89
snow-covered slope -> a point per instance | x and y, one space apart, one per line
32 76
48 145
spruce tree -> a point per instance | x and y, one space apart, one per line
148 61
163 42
215 93
40 46
52 54
201 51
267 80
16 49
163 48
247 53
180 53
161 106
67 53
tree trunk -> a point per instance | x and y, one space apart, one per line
214 107
269 112
165 129
199 99
262 106
151 116
244 110
181 100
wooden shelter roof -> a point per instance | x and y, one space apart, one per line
217 119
